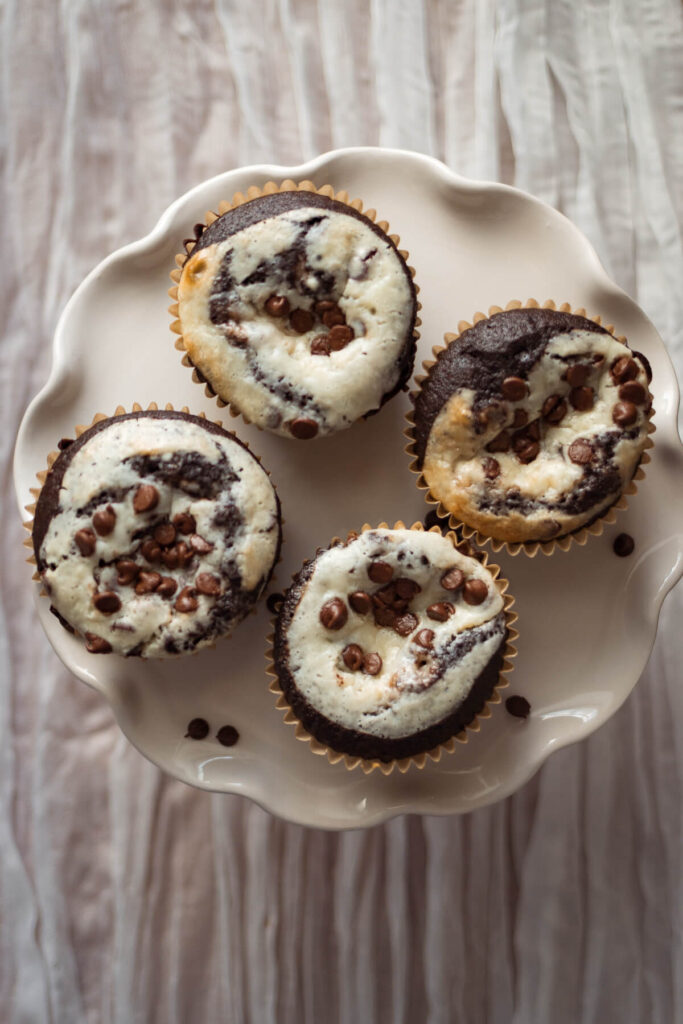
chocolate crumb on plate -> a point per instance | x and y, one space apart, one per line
227 735
197 729
623 545
518 707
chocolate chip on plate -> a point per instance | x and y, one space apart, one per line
518 707
333 614
227 735
197 729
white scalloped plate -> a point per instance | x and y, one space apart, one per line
587 618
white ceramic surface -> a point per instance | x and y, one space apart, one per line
587 618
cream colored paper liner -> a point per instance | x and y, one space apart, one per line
530 548
122 411
238 199
449 746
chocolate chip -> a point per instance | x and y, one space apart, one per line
104 520
148 582
340 336
518 707
277 305
65 443
107 601
533 431
127 571
526 449
301 320
441 611
452 579
96 644
385 616
186 601
380 572
207 583
360 602
303 429
405 624
407 589
580 452
582 398
333 614
624 545
475 591
624 369
624 414
491 468
201 546
633 392
352 656
554 409
197 729
324 305
85 541
170 558
145 498
167 587
425 638
274 602
150 550
333 317
520 418
577 375
227 735
164 534
183 553
500 443
320 346
184 522
514 389
372 664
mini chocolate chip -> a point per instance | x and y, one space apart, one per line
207 583
624 545
198 544
405 624
624 368
333 614
197 729
475 591
107 601
500 443
554 409
184 522
514 388
352 656
96 644
104 520
580 452
320 346
582 398
303 429
165 534
380 572
65 443
274 602
170 558
624 414
577 375
527 450
518 707
633 392
145 498
277 305
186 601
425 638
301 320
148 582
340 335
372 664
85 541
167 587
491 468
150 550
360 602
407 589
127 572
227 735
452 579
333 317
441 611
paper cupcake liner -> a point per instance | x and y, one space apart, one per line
122 411
530 548
239 199
417 761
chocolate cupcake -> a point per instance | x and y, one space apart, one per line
155 533
390 644
298 311
531 424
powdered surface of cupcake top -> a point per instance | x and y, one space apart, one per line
299 312
531 423
155 533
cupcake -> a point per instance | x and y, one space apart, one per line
299 312
531 424
390 644
155 533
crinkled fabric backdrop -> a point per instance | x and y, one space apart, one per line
127 897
